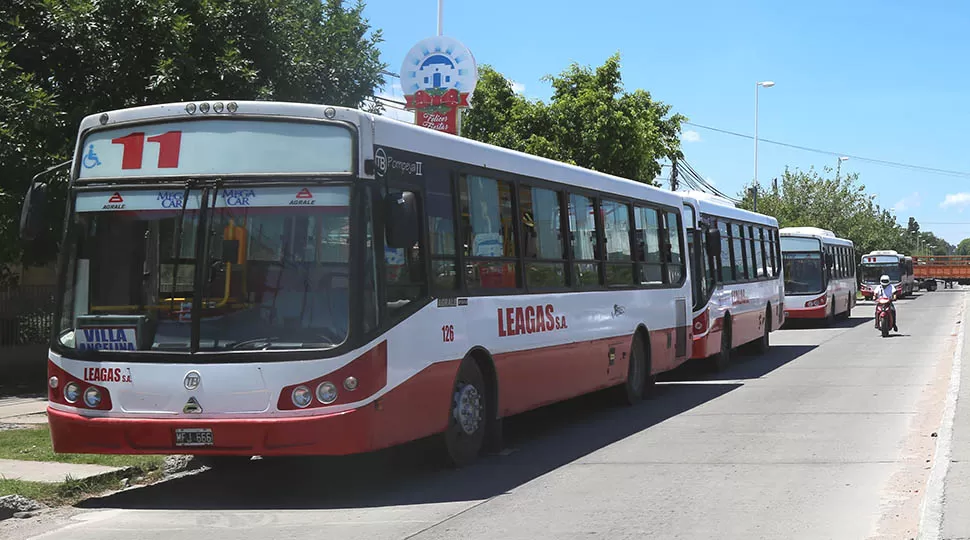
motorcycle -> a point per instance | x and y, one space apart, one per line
884 316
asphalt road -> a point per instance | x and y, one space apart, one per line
829 435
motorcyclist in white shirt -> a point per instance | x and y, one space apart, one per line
886 290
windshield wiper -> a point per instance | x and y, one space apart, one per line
177 244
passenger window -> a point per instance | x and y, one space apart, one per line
647 235
753 264
441 232
582 241
542 241
759 252
739 254
727 266
404 275
488 233
616 235
675 267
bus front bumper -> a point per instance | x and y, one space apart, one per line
342 433
818 312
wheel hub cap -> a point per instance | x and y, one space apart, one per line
468 408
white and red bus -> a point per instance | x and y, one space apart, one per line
254 278
737 277
876 264
820 273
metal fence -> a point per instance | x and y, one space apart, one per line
26 315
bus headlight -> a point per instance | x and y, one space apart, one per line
92 397
326 392
350 383
301 396
53 382
72 392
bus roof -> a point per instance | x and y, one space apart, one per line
825 235
393 134
720 207
884 252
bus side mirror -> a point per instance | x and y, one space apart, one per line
33 213
401 219
713 241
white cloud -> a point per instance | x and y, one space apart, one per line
518 87
913 200
691 136
958 200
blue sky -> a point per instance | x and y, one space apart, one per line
884 80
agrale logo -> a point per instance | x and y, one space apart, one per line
303 198
115 202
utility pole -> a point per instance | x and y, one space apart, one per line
673 176
753 191
774 186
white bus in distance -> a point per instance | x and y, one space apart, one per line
876 264
259 278
820 273
738 296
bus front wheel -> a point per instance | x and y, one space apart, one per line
467 416
722 359
639 380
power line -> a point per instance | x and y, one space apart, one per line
896 164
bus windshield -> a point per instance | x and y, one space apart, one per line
803 273
269 273
872 272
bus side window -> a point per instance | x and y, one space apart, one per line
542 239
648 251
675 263
616 229
727 264
441 233
488 233
404 273
583 245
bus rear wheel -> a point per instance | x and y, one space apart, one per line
639 380
721 360
467 416
762 344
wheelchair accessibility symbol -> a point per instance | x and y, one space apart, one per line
91 159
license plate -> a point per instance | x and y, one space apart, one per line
193 437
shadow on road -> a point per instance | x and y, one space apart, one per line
537 442
851 322
744 366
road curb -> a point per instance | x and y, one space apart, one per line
931 509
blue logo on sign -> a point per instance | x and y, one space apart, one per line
238 197
170 199
91 159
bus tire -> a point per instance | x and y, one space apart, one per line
467 416
762 344
721 360
639 381
830 318
848 308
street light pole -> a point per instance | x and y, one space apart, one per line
441 12
839 166
757 87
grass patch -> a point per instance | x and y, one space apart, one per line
70 490
34 444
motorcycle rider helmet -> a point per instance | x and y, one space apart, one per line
884 280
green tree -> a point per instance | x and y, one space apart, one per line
841 205
590 121
963 248
61 60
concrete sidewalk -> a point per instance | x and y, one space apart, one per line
23 410
44 471
956 489
33 411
